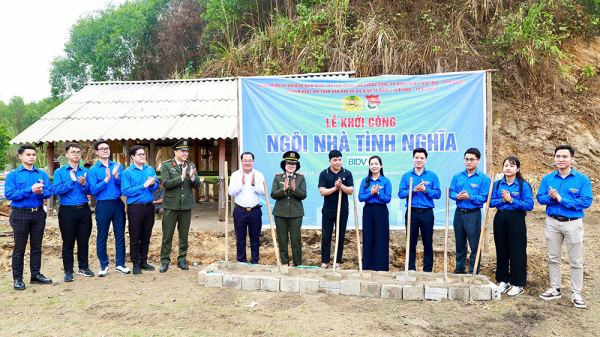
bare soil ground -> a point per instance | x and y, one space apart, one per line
173 303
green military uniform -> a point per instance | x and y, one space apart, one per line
178 202
288 210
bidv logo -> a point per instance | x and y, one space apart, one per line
358 161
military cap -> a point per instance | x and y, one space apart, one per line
182 144
291 157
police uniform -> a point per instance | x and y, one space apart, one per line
288 210
178 202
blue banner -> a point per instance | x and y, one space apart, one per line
387 116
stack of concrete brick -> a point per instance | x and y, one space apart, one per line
314 282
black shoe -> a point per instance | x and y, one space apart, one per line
40 279
137 270
459 272
164 267
147 267
19 285
182 265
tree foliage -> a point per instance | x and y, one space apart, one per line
4 146
115 44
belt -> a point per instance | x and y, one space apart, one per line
75 206
23 209
420 210
248 209
467 210
141 203
563 218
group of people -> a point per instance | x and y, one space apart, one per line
565 192
512 196
27 187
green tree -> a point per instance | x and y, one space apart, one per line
115 44
4 146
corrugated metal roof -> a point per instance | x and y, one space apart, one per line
194 108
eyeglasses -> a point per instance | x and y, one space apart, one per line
104 149
141 155
468 160
78 153
247 161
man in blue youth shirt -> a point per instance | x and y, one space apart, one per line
74 213
566 193
104 179
470 189
27 187
138 182
426 188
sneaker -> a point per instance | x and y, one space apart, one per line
103 272
68 277
503 287
85 272
578 301
515 291
123 269
550 294
137 270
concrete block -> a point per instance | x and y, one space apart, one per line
295 271
332 287
391 291
496 296
308 286
232 282
269 284
370 289
201 276
413 293
350 288
480 293
289 284
251 283
458 293
213 280
435 293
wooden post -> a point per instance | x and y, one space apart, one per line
152 154
222 174
50 171
235 157
488 153
226 218
126 154
197 162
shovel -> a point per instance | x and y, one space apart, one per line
405 276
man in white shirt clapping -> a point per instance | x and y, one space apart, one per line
246 185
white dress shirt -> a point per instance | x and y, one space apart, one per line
246 195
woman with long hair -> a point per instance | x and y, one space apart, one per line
513 197
376 192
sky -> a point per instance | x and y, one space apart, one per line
32 34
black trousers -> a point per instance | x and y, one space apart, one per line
75 225
141 221
510 236
247 223
422 222
327 223
27 225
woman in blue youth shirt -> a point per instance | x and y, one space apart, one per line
376 192
513 197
